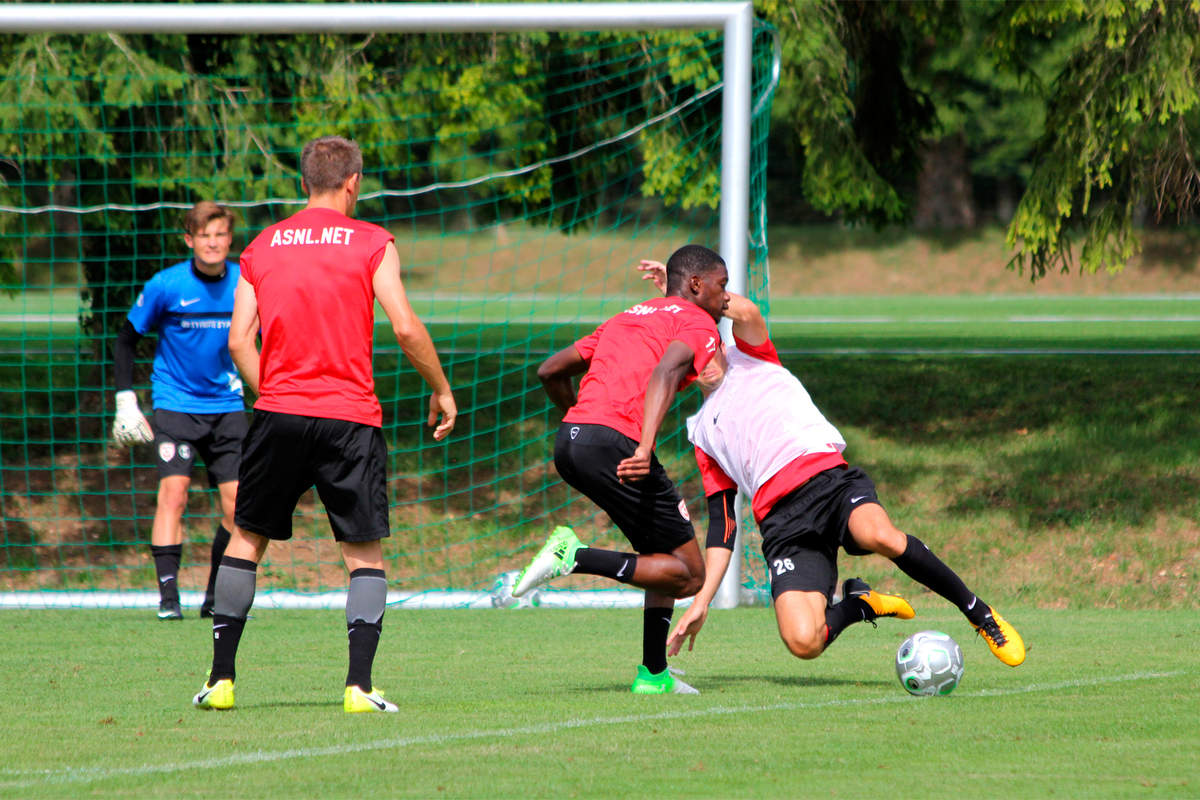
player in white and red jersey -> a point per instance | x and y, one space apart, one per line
758 430
635 363
308 286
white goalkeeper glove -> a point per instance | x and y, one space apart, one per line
130 427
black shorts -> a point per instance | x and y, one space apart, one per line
650 512
285 455
802 532
217 438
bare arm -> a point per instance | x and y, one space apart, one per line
243 333
722 537
556 372
748 322
664 384
414 339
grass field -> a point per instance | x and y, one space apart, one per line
535 704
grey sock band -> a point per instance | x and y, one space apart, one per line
234 589
366 597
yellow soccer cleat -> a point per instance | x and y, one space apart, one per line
218 696
880 605
1002 638
356 701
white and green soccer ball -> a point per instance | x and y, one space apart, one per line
929 663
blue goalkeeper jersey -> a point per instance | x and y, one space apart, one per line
193 371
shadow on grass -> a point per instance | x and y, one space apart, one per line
1050 440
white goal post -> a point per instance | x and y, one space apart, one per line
735 19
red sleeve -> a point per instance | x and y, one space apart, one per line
764 352
711 475
586 346
699 334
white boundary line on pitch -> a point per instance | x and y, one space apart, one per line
26 778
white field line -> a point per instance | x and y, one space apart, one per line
15 779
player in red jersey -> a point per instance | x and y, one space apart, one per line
635 363
758 430
309 285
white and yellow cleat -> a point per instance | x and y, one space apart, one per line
217 696
356 701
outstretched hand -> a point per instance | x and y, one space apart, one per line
654 271
689 625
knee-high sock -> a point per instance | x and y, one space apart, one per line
166 565
234 596
607 563
365 603
919 563
656 625
842 615
219 542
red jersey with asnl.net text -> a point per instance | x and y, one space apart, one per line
623 352
760 430
312 274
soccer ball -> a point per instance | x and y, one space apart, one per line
502 596
929 663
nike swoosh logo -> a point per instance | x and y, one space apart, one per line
857 499
382 706
200 698
186 303
621 571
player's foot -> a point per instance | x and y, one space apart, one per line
356 701
217 696
878 605
555 559
664 682
169 609
1006 644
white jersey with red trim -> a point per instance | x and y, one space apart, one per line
759 420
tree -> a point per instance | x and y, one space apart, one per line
1116 81
1122 127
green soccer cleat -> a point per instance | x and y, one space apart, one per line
356 701
218 696
555 559
663 682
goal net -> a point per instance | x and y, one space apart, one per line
524 174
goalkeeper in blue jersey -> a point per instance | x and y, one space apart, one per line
196 391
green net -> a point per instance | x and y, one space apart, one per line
523 176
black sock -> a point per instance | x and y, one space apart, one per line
227 634
166 565
234 595
656 625
842 615
219 542
607 563
365 604
919 563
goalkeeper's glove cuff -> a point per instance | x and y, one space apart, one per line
127 401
